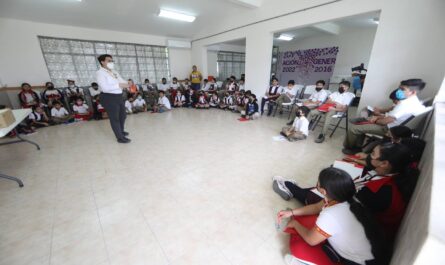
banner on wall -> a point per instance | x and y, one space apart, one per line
306 66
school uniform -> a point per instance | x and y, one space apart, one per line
179 100
34 116
60 115
164 87
164 104
286 96
214 101
81 112
74 92
50 95
139 105
128 107
272 91
202 102
251 110
298 131
28 99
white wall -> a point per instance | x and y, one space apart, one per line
22 60
354 47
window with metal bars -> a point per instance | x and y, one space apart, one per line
230 63
77 60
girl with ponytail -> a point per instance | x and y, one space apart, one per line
352 235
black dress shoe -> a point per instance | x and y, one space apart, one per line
125 133
124 140
290 123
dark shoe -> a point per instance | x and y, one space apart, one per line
124 140
125 133
262 112
350 151
290 123
281 112
320 139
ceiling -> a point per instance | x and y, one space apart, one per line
139 16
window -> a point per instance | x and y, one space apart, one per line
77 60
230 63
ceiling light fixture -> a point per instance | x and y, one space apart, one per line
285 37
176 15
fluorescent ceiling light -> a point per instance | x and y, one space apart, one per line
285 37
176 15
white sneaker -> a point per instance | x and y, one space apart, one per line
291 260
280 188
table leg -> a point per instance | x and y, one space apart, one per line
12 178
25 140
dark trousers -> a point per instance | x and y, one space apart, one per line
115 108
263 102
305 196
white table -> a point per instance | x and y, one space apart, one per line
19 115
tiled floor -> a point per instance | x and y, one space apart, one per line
193 187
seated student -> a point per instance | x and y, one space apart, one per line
214 101
227 102
190 98
187 84
251 112
139 104
271 95
212 87
132 88
385 187
337 102
179 100
81 110
163 85
129 104
51 94
241 84
94 93
202 101
232 86
28 98
379 124
349 229
59 114
73 92
300 128
205 85
147 86
174 87
317 98
38 118
287 95
242 98
163 103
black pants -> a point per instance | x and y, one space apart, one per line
115 108
270 108
305 196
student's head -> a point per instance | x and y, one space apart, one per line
164 80
49 85
161 93
130 82
178 92
290 84
241 81
138 96
175 80
71 82
95 86
232 78
26 87
343 86
38 109
253 98
248 93
397 133
147 81
206 81
389 158
411 87
106 61
79 102
319 85
194 68
396 96
57 105
303 111
275 81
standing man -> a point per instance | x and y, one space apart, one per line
111 85
196 78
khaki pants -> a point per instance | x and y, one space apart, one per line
292 135
283 98
356 134
327 120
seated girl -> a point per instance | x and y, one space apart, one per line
385 189
251 110
202 101
38 118
81 110
179 99
214 101
352 236
190 98
227 102
300 127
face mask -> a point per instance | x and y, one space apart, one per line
400 95
139 97
318 88
369 165
110 65
71 86
341 90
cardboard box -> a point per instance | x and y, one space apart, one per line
6 118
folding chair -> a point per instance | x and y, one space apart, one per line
299 97
339 116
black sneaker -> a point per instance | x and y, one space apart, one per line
320 139
124 140
125 133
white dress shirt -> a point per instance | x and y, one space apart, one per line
109 81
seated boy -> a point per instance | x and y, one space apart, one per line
300 128
38 118
81 110
163 103
139 104
59 114
287 95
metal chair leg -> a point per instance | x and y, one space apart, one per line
336 126
290 111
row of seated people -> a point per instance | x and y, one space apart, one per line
348 219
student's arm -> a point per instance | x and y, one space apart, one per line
382 120
312 236
310 209
375 201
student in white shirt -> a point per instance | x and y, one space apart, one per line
241 84
271 95
214 101
287 95
73 92
300 128
163 85
227 102
318 97
339 102
163 103
139 104
59 114
81 110
408 106
38 118
179 100
147 86
350 230
129 104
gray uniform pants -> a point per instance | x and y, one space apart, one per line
115 108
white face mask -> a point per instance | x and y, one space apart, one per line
139 97
110 65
